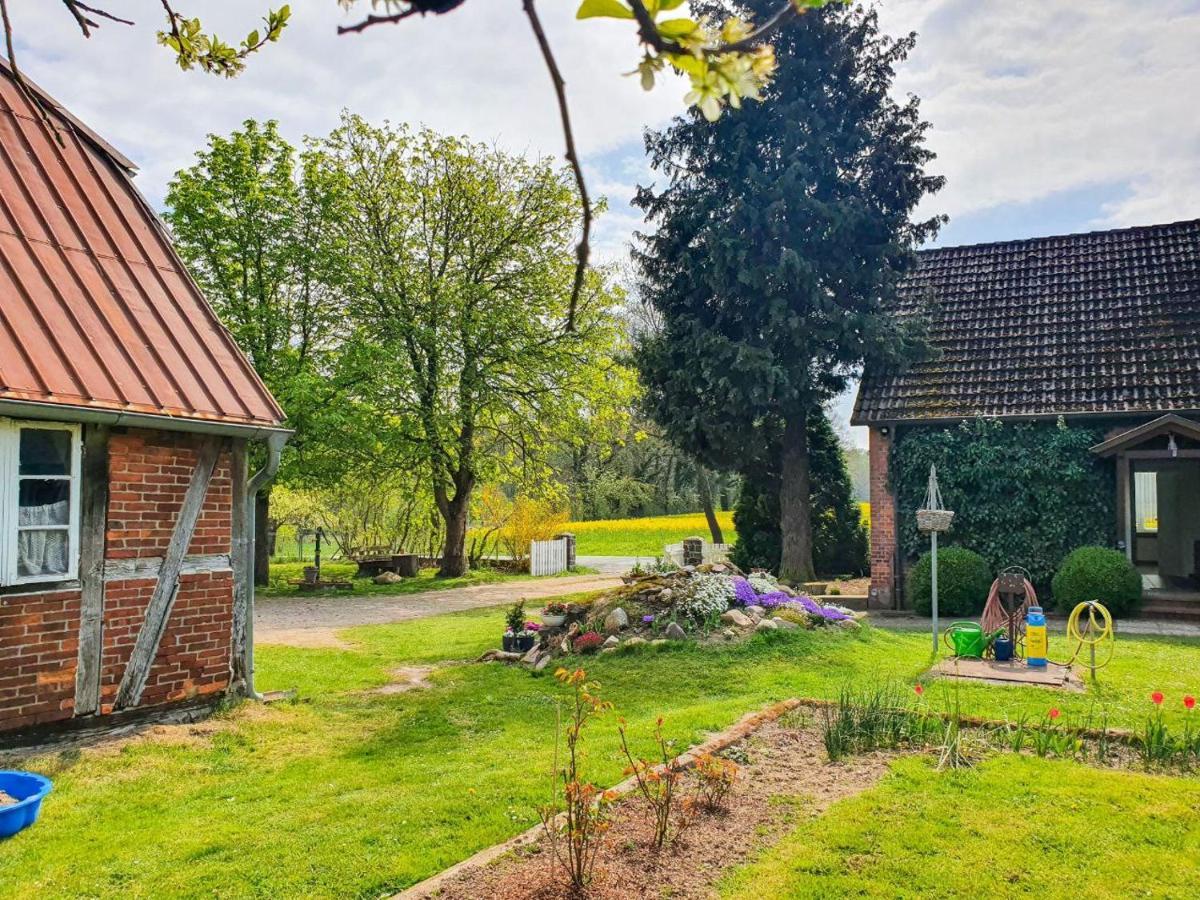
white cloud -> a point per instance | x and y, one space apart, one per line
1032 98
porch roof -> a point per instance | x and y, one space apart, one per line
1168 424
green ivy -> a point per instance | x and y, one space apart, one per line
1023 493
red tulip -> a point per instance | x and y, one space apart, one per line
1157 697
1054 713
920 689
1189 701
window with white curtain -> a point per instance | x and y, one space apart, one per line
1145 502
39 502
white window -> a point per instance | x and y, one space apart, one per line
1145 501
39 502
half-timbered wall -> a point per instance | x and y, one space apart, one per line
138 480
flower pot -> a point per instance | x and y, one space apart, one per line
553 621
518 644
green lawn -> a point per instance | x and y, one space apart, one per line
349 793
1014 826
283 573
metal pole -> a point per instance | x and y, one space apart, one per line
317 555
933 586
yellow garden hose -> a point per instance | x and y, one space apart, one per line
1096 635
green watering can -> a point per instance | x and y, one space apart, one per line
968 639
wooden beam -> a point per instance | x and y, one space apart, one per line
93 525
239 557
158 611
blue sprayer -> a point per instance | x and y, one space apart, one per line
1035 638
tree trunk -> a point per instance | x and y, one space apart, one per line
795 506
454 552
262 549
706 500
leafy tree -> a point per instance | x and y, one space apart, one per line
254 225
459 270
839 534
782 230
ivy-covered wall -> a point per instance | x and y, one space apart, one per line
1024 493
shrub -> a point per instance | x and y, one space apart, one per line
964 579
708 596
588 642
1097 573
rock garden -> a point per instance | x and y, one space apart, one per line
714 602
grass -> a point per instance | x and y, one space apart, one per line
1014 826
646 537
283 573
350 793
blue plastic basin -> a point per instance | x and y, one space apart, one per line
29 790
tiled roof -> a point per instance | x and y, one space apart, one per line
96 309
1106 322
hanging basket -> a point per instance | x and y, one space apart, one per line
934 519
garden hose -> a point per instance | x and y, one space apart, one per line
1096 633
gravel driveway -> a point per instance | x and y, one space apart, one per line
315 621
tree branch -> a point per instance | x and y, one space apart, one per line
373 20
583 249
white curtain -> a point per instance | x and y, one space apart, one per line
43 552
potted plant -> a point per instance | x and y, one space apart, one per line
518 637
554 615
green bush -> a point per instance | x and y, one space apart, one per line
964 579
1097 573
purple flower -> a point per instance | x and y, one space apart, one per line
833 615
743 593
774 600
533 626
646 620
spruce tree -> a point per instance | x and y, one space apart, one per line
780 233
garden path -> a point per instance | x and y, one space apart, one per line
315 621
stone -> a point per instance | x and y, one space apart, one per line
849 624
785 624
615 621
531 657
729 634
766 625
608 650
675 633
636 642
719 569
815 587
613 641
736 617
542 663
387 578
756 611
665 595
659 642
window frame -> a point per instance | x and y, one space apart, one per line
10 499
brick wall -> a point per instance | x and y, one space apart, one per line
148 475
39 647
193 657
149 472
883 522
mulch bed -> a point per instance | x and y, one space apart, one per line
784 777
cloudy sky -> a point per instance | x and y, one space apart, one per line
1049 116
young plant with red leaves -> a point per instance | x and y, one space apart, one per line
659 784
576 821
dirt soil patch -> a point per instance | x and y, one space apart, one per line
405 679
784 778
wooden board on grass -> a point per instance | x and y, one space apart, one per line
1014 672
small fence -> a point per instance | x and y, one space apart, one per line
712 553
548 557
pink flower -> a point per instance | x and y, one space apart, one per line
1157 697
1189 701
919 688
1054 713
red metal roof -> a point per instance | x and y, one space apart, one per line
96 308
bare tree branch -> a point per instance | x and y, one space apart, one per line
583 249
373 20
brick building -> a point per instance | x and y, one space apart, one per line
1100 328
126 413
